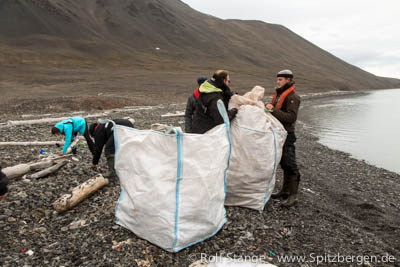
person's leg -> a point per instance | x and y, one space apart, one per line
89 140
284 192
293 174
109 152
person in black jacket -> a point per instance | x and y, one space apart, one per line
3 185
103 135
207 115
191 106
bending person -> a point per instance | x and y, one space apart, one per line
103 135
70 129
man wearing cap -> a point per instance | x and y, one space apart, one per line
285 106
191 105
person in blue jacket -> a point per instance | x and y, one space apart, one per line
70 129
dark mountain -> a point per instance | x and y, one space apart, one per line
164 35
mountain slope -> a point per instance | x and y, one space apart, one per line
164 34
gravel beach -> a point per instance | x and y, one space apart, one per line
346 207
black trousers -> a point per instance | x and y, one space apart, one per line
110 147
288 161
89 140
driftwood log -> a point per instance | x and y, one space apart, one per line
40 165
57 159
16 171
38 143
22 169
47 171
79 193
49 120
171 115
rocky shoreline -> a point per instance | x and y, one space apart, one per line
346 207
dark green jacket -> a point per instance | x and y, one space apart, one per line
287 115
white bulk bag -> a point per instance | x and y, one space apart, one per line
257 142
173 185
218 261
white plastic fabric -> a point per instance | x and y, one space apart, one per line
257 142
173 185
229 262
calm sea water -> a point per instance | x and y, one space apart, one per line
367 127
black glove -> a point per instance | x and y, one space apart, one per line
74 151
232 113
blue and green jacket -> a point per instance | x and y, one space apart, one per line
70 128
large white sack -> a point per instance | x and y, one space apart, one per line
257 142
173 185
219 261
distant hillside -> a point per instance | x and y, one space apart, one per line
164 35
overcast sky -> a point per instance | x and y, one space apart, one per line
365 33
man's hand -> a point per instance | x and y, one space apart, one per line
61 154
3 196
269 106
94 166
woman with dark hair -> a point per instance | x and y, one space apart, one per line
70 128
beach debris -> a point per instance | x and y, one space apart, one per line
118 245
34 143
22 169
176 114
47 171
79 193
16 171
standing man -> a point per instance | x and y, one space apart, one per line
191 105
207 115
103 134
70 129
285 106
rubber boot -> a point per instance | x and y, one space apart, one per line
284 192
110 163
294 187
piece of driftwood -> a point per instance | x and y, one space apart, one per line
57 159
38 143
177 114
47 171
37 166
36 121
22 169
79 193
159 127
16 171
50 120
